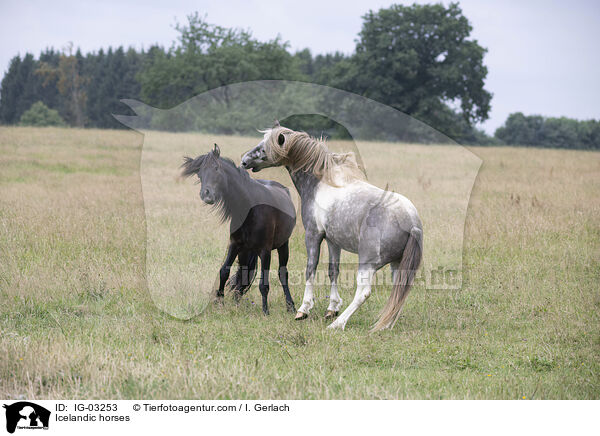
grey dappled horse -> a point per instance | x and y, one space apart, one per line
338 206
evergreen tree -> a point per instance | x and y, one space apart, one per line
70 83
10 89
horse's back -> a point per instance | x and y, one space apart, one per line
273 185
343 213
275 194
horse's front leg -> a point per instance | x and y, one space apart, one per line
364 279
263 286
335 301
313 250
232 252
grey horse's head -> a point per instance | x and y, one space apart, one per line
257 159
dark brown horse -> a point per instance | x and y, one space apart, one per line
262 219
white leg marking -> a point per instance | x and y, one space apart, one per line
335 301
309 299
363 291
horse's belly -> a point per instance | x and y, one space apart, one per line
343 235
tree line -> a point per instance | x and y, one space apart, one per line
419 59
84 90
538 131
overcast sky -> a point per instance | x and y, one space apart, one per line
543 56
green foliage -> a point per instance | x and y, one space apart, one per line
70 83
19 89
538 131
112 77
85 90
207 57
419 60
40 115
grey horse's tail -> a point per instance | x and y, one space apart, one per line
411 259
244 276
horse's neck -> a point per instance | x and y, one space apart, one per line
305 183
237 196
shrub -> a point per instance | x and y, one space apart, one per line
40 115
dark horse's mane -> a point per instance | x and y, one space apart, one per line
191 166
223 206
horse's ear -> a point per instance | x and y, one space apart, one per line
280 139
276 124
217 151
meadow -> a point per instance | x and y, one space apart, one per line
78 319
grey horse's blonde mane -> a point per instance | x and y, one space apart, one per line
302 152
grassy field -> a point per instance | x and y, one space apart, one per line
78 319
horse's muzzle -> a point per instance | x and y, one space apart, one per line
207 197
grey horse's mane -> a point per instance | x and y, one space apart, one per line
302 152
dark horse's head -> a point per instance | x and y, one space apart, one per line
211 174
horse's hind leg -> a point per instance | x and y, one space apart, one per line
245 274
265 264
284 254
364 279
368 263
335 302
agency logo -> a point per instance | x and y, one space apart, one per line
26 415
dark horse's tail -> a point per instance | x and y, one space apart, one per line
244 276
403 280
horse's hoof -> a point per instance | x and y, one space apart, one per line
300 316
219 301
331 314
335 325
291 308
